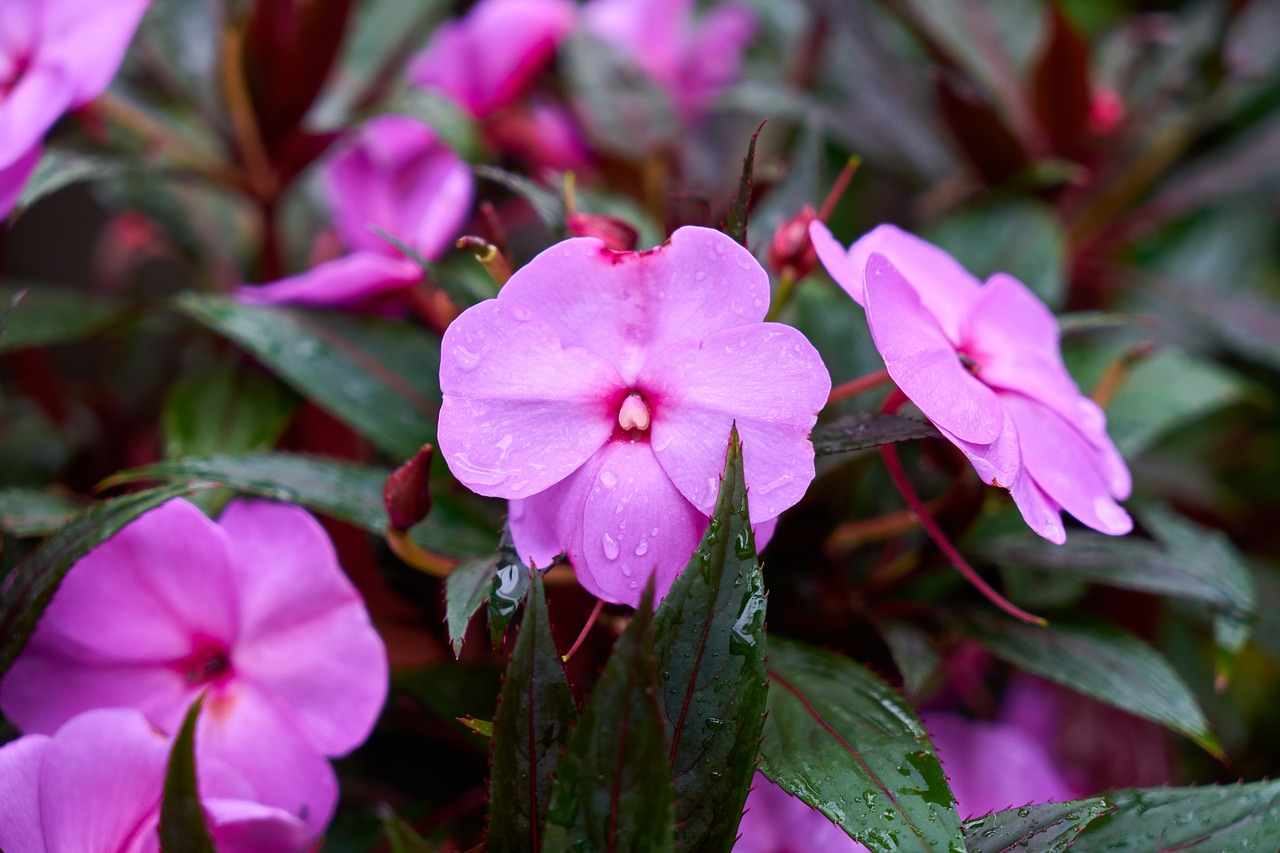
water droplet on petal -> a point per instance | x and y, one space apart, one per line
609 478
642 548
610 547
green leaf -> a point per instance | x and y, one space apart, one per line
623 111
1044 828
27 512
465 590
182 822
1209 819
861 430
735 223
58 169
1100 661
710 648
508 589
401 837
613 790
46 315
27 589
378 376
1163 392
1021 238
548 206
913 654
12 302
535 712
225 410
847 744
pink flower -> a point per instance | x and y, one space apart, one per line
597 393
692 62
983 362
95 787
55 55
486 60
396 176
252 609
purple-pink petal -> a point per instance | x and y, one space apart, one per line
13 178
765 377
773 821
305 636
521 410
241 826
89 39
922 360
713 60
835 259
1041 513
20 764
344 281
999 462
41 95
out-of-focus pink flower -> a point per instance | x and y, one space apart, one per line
253 609
95 787
541 132
693 61
486 60
396 176
597 393
55 55
983 362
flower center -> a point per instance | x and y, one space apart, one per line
967 362
11 72
633 415
208 663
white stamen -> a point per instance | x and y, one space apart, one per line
634 414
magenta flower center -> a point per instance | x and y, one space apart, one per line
208 663
11 73
633 415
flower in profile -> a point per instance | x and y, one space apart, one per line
95 786
55 55
984 364
693 61
396 176
253 611
597 393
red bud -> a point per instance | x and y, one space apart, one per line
407 494
791 248
617 235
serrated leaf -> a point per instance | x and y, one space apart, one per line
47 315
710 650
1043 828
849 745
1209 819
508 589
862 430
465 591
182 823
613 790
27 512
380 377
535 712
548 206
401 837
1101 661
27 589
225 410
735 223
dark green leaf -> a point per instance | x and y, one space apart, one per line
465 590
547 205
484 728
847 744
1022 239
10 303
1100 661
401 837
913 653
735 224
623 111
182 822
1044 828
1210 819
1164 392
451 692
508 589
861 430
47 315
535 712
225 410
378 376
710 649
58 169
27 512
613 789
27 590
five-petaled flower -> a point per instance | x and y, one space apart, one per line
253 611
395 176
597 392
983 362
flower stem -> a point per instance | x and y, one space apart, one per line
837 189
786 282
861 385
586 629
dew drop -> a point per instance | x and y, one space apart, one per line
642 548
610 547
609 478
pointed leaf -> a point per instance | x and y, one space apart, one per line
58 169
182 823
465 590
378 376
27 512
735 223
44 315
847 744
613 790
27 589
508 590
535 712
710 649
861 430
401 837
1044 828
225 410
1209 819
1101 661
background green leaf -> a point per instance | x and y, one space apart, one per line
862 430
48 315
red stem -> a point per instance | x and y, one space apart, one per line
854 387
586 629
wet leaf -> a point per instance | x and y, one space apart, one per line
1044 828
710 651
535 712
1208 819
508 589
465 590
862 430
849 745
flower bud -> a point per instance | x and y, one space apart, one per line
791 248
407 493
618 236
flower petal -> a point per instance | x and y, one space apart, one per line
340 282
1039 511
13 179
1064 465
712 58
102 778
20 764
770 380
305 636
42 94
997 463
239 826
89 40
922 360
521 411
625 305
835 258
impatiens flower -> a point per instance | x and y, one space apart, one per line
55 55
95 787
983 362
486 60
597 393
252 610
397 177
693 61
